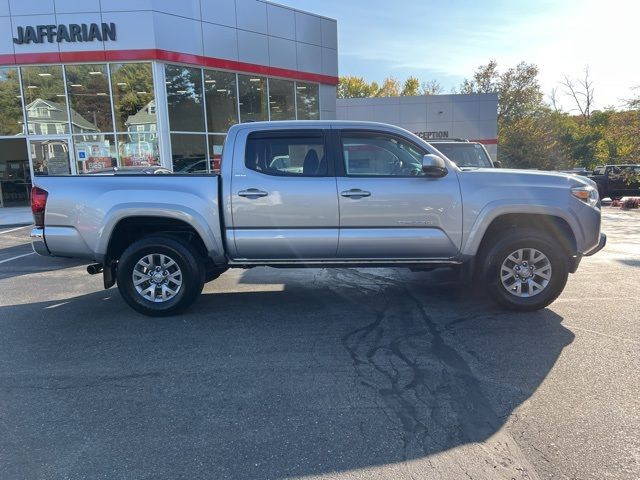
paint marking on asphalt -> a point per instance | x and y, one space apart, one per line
621 339
14 229
17 257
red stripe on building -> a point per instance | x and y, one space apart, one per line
163 55
487 141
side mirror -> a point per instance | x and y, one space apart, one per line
497 164
434 166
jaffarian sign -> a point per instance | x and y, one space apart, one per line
73 32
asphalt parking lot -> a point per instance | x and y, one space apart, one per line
341 374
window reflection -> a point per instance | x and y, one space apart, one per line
50 157
88 89
11 117
308 101
281 99
133 98
94 153
189 153
45 100
216 143
253 98
184 98
138 150
221 100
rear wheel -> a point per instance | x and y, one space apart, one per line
160 275
525 270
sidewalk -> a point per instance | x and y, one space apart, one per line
17 216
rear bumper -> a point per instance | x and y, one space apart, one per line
601 244
37 242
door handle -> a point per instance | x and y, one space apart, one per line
355 193
252 193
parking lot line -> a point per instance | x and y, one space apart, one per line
17 257
14 229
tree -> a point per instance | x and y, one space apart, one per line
634 103
390 88
581 92
411 87
431 87
518 90
356 87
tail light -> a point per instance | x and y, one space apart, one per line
38 205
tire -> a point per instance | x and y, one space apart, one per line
181 267
499 270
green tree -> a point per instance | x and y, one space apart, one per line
411 87
518 89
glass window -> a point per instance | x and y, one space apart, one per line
216 144
374 154
94 152
184 98
11 118
299 153
281 99
50 157
308 95
15 176
253 98
133 99
221 100
189 153
465 154
46 102
88 89
138 150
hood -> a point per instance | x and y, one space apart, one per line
524 178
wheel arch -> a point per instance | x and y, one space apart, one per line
125 227
554 225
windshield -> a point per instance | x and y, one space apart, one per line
465 154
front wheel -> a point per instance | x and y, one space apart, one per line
160 275
525 270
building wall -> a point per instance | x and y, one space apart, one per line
241 35
473 117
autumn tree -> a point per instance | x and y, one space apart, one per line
390 88
431 87
356 87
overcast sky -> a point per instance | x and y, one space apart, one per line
446 41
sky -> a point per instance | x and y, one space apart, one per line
447 40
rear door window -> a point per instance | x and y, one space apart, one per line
295 153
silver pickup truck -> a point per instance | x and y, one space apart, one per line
321 194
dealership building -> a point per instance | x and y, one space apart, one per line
91 84
433 117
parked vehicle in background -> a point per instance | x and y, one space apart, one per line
131 171
465 154
321 194
583 172
617 181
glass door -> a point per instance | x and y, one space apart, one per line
15 175
51 156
